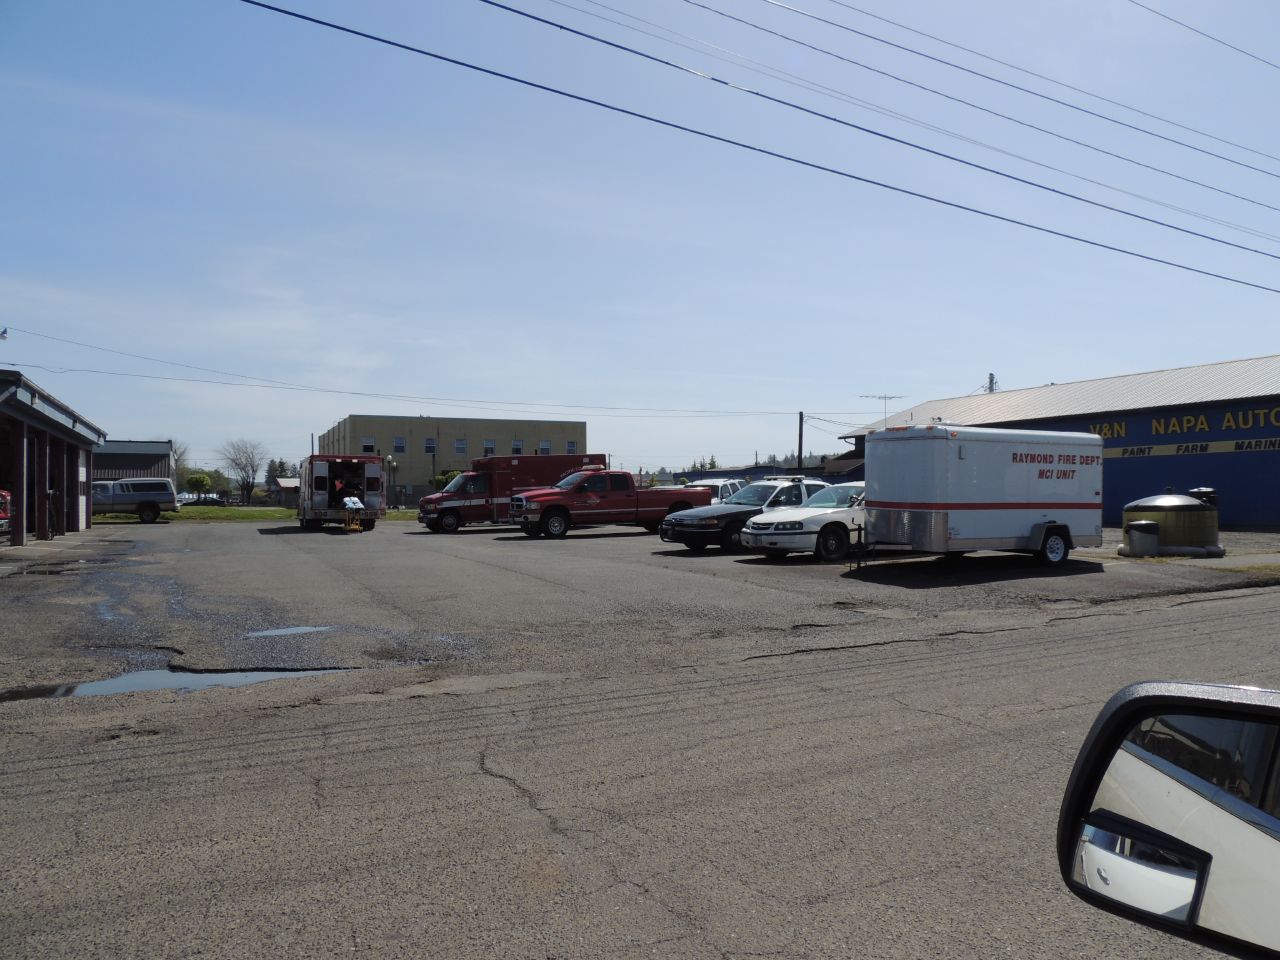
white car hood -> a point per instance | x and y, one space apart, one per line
806 514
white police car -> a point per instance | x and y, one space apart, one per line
821 525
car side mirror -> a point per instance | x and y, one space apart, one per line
1171 817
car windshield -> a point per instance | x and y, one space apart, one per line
456 483
834 497
572 480
753 494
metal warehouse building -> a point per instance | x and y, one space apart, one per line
1216 425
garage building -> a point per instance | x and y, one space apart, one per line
1216 425
46 455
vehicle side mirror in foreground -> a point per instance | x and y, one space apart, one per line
1172 814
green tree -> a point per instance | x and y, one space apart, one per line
443 479
199 483
711 463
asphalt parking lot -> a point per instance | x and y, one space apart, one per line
602 746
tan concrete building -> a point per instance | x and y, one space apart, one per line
419 448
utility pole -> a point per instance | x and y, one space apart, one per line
992 386
800 445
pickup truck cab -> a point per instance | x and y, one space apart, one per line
593 497
722 523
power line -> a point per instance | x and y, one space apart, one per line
1048 79
742 61
791 105
717 138
977 106
513 406
1207 36
1014 86
284 384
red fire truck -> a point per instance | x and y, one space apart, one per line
483 493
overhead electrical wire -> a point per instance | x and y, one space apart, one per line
654 413
740 60
285 384
1040 76
763 151
977 106
1014 86
792 105
1207 36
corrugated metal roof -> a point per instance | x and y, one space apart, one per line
1209 383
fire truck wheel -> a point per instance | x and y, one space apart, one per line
449 522
555 524
833 543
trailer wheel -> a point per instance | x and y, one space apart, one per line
1055 550
449 522
832 545
556 524
148 513
313 524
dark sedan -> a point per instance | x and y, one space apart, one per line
721 524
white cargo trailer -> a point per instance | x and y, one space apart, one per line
949 489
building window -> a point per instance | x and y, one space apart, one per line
397 444
367 444
571 446
517 447
460 446
429 445
544 447
490 447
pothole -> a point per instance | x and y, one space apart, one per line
184 681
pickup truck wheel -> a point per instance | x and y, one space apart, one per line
651 527
833 544
1054 551
531 530
731 539
449 522
556 524
148 513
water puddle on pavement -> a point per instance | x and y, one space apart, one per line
184 681
287 631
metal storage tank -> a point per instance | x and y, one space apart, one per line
1186 523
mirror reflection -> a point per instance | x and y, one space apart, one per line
1187 801
1136 872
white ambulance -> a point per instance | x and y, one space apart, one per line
939 488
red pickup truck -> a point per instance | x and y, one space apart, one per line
592 497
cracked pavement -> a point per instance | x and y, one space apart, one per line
677 757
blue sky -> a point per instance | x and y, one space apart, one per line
215 185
